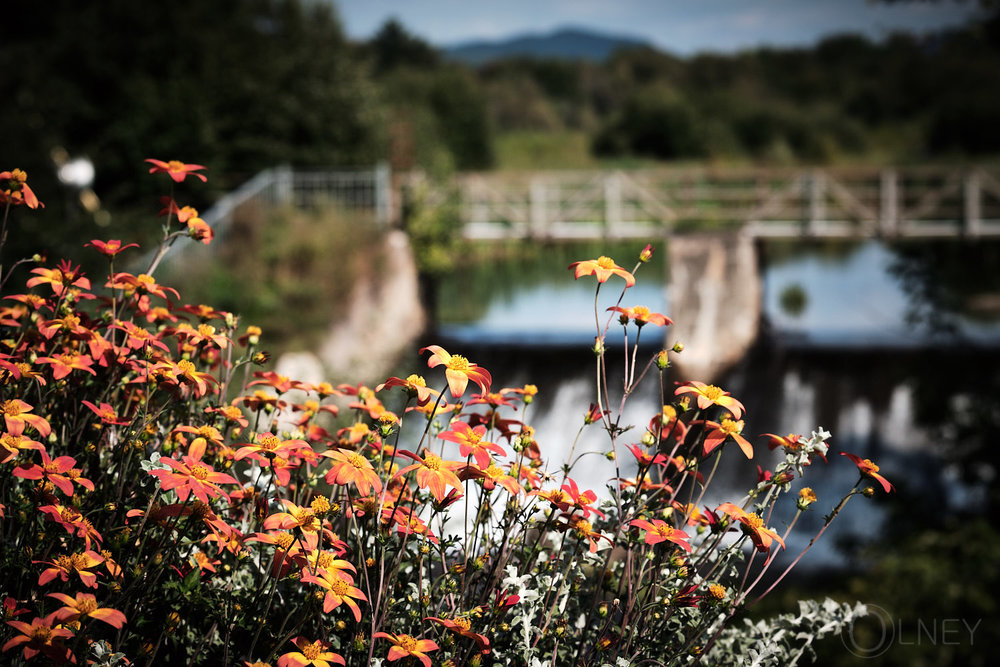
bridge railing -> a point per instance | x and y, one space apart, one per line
354 189
765 202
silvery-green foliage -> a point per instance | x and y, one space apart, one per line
784 639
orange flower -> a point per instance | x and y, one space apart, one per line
433 473
405 646
709 395
458 370
175 169
65 363
491 477
85 606
301 518
351 467
40 637
11 446
471 443
310 653
602 267
59 278
270 445
14 190
753 526
15 415
111 247
74 522
869 469
642 315
142 284
63 566
192 475
720 432
60 472
463 627
660 531
340 590
415 385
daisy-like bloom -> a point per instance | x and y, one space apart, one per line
110 247
463 627
433 473
313 654
414 385
16 415
720 432
176 169
641 315
141 284
406 646
269 445
584 530
40 636
60 472
581 500
407 523
470 442
192 475
709 395
492 476
299 518
753 526
59 279
869 469
204 333
14 190
340 590
458 370
65 363
84 606
74 522
659 530
603 268
11 446
65 565
351 467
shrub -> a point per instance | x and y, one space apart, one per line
163 503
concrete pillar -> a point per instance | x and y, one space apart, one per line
715 295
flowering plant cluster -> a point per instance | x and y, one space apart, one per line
162 502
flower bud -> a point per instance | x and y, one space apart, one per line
806 498
646 254
678 347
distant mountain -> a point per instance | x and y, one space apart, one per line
564 44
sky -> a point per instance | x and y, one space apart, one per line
683 27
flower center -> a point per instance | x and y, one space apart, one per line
340 587
269 442
407 643
199 471
432 461
640 313
185 366
175 165
754 521
306 520
462 624
356 460
312 651
868 467
713 393
416 380
458 363
730 427
206 330
86 606
605 262
283 540
41 635
10 408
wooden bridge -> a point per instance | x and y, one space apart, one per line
640 204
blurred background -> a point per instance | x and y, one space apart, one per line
370 116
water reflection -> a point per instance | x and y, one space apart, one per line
852 360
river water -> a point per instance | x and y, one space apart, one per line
839 348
